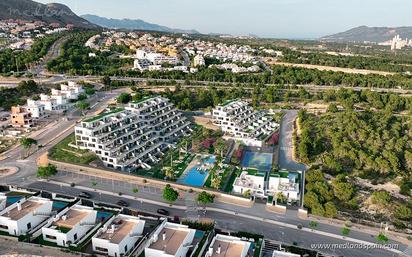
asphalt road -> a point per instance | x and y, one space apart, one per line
228 222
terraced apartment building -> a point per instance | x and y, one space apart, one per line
239 121
135 136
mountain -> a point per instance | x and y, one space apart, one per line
132 24
34 11
370 34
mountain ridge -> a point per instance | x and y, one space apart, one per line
33 11
369 34
132 24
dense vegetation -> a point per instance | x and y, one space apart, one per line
370 144
13 60
357 62
15 96
74 58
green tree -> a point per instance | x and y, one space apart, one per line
83 106
330 210
345 231
381 198
47 171
27 143
343 191
124 98
382 238
135 191
313 224
332 108
205 198
169 194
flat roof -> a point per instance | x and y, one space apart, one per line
26 208
123 228
227 249
73 217
174 240
104 114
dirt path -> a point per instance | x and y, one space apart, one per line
331 68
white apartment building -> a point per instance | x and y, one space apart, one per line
36 108
25 215
198 60
119 237
252 182
228 246
72 90
132 137
170 240
289 186
69 226
241 122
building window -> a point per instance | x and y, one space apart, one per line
75 237
4 227
51 237
125 248
100 249
29 225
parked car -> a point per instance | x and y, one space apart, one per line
122 203
163 212
85 195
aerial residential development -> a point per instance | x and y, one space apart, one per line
205 129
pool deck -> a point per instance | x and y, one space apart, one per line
192 164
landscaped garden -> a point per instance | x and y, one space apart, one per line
66 153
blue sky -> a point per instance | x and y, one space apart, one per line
265 18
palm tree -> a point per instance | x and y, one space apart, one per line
169 172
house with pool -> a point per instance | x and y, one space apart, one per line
239 121
229 246
70 225
118 237
25 215
170 240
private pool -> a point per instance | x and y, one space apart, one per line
260 161
197 175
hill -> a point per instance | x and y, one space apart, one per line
132 24
34 11
370 34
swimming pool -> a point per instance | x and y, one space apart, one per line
58 206
260 161
13 199
197 175
102 216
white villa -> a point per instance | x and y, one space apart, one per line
288 186
69 226
170 240
239 121
132 137
119 237
25 215
228 246
252 182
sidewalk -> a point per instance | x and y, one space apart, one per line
232 212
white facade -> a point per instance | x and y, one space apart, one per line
289 186
133 137
198 60
239 121
170 240
24 215
119 237
255 184
228 246
72 90
37 109
69 226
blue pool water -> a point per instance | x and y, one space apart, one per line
195 177
58 206
13 199
260 161
199 234
103 216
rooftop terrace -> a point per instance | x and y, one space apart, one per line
123 228
173 241
26 208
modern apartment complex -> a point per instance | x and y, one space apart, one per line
135 136
239 121
119 237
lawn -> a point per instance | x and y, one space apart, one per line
63 152
229 186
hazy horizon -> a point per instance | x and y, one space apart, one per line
264 18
